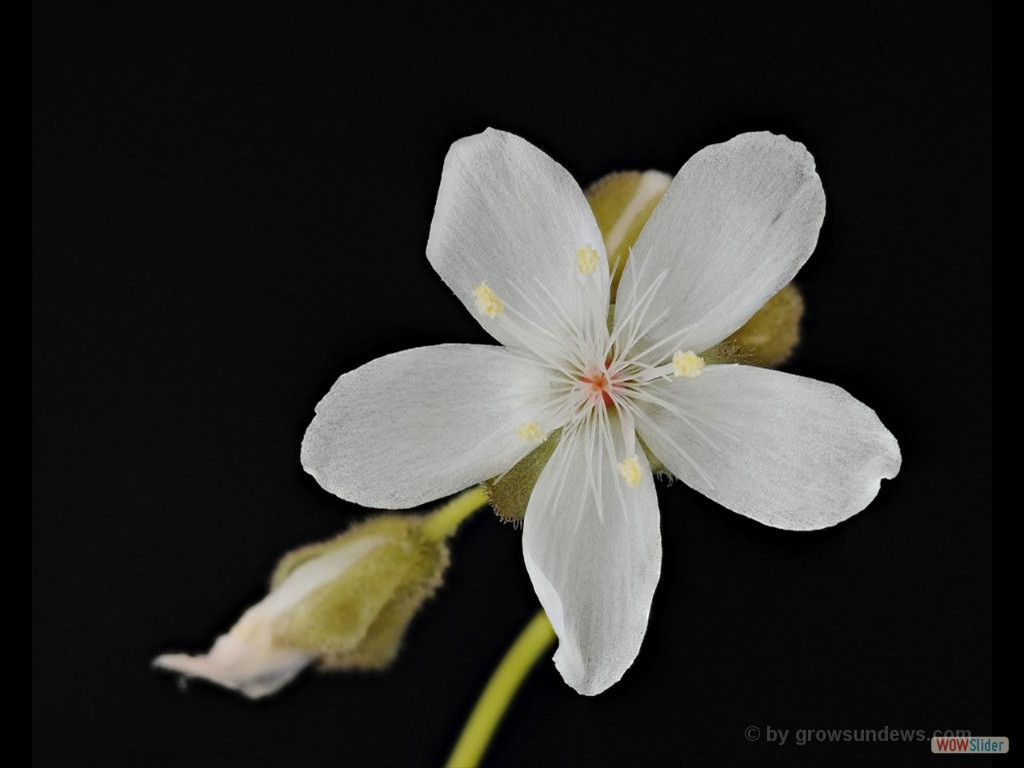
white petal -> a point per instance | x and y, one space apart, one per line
424 423
249 666
784 450
592 547
737 223
249 659
511 218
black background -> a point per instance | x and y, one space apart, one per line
230 209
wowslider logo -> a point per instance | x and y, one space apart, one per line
970 745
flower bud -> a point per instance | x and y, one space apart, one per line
342 604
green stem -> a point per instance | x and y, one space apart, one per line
441 523
490 707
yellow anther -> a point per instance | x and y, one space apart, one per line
631 471
487 301
587 260
688 364
530 432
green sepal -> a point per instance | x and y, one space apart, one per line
358 620
510 493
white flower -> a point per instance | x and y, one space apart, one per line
514 238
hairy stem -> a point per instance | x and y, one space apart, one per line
441 523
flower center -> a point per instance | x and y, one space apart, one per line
598 385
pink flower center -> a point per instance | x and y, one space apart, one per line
599 383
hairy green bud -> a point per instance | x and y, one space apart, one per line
341 604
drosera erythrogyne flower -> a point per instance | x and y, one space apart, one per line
616 385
